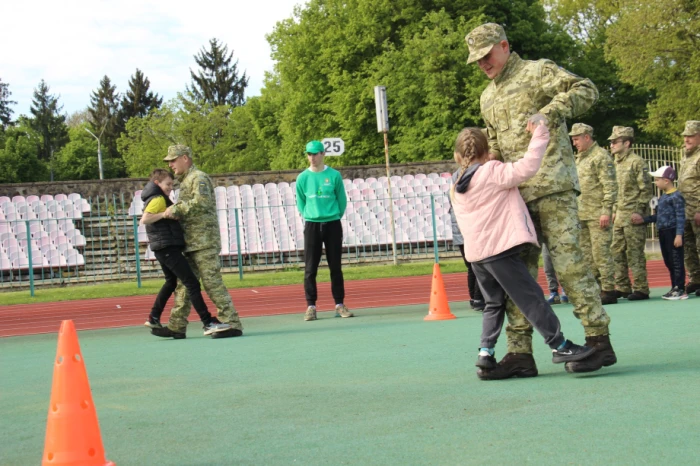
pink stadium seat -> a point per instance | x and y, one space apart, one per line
46 197
60 197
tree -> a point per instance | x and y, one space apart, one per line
48 121
217 81
5 102
331 54
655 44
77 160
138 100
78 118
19 159
104 115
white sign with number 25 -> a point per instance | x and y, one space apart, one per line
334 146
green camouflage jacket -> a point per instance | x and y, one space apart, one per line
522 89
689 182
196 211
634 190
596 175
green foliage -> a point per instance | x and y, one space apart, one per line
655 46
332 53
5 102
106 124
217 82
139 100
19 158
48 121
78 159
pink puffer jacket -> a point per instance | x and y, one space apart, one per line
491 214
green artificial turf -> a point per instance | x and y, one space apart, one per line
382 388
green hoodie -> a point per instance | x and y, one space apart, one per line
321 195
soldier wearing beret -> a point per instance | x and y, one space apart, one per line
689 186
596 175
634 191
196 211
518 90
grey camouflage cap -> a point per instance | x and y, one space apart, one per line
621 132
482 39
692 128
176 151
581 128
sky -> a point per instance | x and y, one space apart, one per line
72 44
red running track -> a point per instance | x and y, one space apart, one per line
272 300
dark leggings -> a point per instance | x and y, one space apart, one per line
175 267
472 284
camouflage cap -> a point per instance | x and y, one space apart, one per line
692 128
176 151
581 128
482 39
621 132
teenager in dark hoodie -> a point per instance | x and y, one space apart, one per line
167 242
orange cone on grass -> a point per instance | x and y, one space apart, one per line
72 431
439 309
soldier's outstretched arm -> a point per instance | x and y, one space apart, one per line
202 199
571 95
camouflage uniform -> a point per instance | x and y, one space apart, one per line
596 175
689 186
634 191
196 211
522 89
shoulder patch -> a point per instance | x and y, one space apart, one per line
203 188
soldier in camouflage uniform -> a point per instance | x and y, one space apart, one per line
689 186
596 175
518 90
196 211
634 191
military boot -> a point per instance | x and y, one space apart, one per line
608 297
604 355
512 365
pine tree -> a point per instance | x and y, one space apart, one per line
138 100
104 118
5 102
217 81
48 121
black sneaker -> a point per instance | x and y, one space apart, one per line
230 333
571 352
638 296
165 332
485 360
692 288
153 322
670 292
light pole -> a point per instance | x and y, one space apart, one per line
99 149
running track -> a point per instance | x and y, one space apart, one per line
272 300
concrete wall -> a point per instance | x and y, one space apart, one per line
127 186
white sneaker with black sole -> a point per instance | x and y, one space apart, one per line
215 327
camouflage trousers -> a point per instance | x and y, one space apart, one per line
205 265
556 222
691 250
595 245
628 254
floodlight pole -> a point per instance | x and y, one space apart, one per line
383 127
99 149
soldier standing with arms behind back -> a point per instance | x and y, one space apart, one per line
518 90
196 211
634 192
596 175
689 186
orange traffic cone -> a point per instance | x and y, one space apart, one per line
72 431
439 309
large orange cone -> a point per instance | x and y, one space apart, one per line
72 431
439 309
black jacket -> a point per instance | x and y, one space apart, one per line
165 232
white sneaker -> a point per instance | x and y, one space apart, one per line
310 313
215 327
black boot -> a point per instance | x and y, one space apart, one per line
604 356
512 365
232 332
638 296
608 297
165 332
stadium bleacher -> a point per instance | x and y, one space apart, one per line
269 222
43 228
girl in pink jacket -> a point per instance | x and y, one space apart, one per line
496 226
